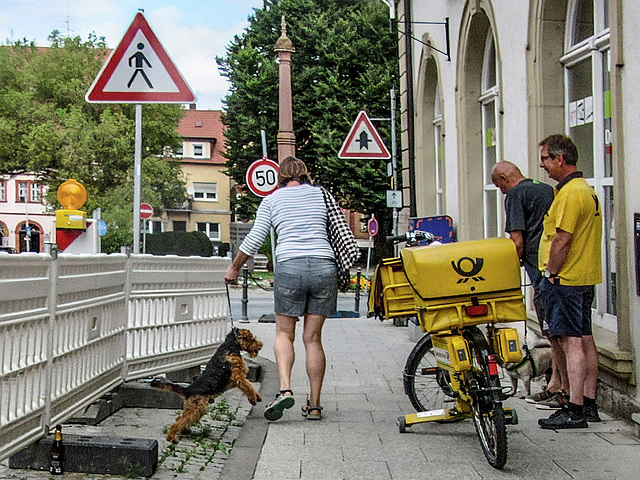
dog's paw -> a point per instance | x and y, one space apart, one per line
258 397
172 438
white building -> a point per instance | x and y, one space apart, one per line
518 72
24 220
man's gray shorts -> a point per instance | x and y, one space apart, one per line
305 285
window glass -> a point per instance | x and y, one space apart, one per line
3 190
610 250
198 150
490 64
606 87
22 192
583 25
179 226
606 13
34 192
581 114
205 191
212 230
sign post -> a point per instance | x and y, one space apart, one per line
139 71
372 227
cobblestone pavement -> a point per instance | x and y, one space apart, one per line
199 456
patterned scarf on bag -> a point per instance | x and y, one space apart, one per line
341 239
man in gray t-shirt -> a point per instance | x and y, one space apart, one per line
526 204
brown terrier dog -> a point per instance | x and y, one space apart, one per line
225 370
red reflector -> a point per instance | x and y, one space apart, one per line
476 310
493 366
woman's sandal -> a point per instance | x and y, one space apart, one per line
307 412
275 409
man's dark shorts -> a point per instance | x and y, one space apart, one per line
567 308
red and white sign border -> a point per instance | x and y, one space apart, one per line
96 93
263 162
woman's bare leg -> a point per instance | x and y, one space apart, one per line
315 358
283 347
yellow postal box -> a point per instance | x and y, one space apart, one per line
451 352
508 345
448 279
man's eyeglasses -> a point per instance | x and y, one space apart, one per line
544 157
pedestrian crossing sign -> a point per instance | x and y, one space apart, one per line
139 70
364 141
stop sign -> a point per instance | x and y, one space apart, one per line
146 210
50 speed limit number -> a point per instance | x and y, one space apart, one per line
262 177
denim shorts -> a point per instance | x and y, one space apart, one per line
305 285
567 308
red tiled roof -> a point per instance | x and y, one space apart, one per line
204 124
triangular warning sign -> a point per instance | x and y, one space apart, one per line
139 71
363 141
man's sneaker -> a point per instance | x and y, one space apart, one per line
591 413
563 419
559 399
276 408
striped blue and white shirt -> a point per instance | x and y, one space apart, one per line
299 217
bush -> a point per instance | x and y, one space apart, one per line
184 244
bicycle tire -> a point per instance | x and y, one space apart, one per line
426 390
488 415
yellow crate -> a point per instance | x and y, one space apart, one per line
508 345
446 279
390 296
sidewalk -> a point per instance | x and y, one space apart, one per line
358 437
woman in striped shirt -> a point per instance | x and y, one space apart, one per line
305 281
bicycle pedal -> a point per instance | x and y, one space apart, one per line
510 416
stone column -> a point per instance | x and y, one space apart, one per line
286 137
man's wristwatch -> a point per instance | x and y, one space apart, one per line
548 274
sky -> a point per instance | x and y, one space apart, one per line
193 32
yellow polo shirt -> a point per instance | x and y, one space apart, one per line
575 210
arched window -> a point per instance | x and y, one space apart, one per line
489 99
587 64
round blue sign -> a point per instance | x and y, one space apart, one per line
372 226
101 227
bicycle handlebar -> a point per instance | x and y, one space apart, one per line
412 237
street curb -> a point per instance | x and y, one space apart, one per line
244 455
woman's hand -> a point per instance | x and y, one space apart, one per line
231 276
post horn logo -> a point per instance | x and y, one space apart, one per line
461 269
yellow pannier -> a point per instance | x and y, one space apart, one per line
465 283
390 295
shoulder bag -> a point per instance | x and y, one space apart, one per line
341 239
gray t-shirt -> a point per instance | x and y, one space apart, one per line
526 205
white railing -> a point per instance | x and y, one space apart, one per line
74 327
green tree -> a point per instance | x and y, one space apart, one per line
48 128
344 62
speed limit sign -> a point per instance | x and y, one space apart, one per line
262 177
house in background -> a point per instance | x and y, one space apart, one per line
24 220
208 209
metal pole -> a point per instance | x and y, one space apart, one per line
263 136
357 305
394 162
245 297
137 174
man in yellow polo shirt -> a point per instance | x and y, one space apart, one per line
570 258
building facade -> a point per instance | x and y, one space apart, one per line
208 208
25 223
515 73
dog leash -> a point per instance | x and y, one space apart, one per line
229 301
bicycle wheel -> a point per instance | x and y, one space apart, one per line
492 430
426 385
488 414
